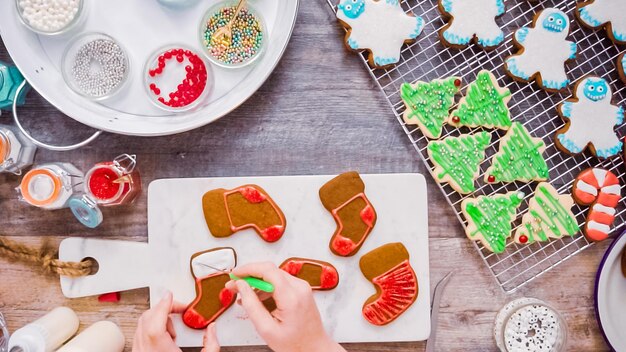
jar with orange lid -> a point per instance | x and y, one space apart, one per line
16 151
51 186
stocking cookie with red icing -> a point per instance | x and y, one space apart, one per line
389 269
322 276
248 206
212 297
344 196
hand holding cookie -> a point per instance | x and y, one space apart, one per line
296 324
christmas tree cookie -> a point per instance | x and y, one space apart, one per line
428 103
519 158
485 104
549 216
457 159
489 218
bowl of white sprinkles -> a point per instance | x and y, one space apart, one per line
95 66
50 17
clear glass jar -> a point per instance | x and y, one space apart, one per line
77 20
16 151
529 325
114 182
51 186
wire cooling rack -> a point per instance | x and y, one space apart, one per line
427 59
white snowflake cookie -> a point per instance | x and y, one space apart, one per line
469 20
610 14
591 120
544 50
379 26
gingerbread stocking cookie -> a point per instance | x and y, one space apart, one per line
249 206
543 51
389 269
471 19
212 297
610 14
591 120
322 276
381 27
344 196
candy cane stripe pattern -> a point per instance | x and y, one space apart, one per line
601 189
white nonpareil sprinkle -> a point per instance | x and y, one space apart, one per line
99 67
49 15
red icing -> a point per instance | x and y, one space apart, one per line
112 297
226 297
252 194
398 291
343 245
273 233
330 277
293 267
600 217
584 197
194 320
368 215
608 200
101 183
491 179
523 239
596 235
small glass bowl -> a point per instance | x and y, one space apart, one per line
215 9
165 83
74 23
67 65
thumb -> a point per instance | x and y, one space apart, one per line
210 342
261 318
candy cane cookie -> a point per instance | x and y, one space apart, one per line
601 189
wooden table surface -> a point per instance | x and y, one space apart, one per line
319 113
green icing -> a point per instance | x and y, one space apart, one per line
547 222
519 158
428 104
483 105
492 217
459 158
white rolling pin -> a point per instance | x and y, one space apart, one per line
103 336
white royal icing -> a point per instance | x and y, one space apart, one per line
587 188
599 12
598 226
381 26
223 259
603 209
614 189
545 50
592 119
600 175
473 18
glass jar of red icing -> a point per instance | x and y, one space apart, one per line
114 182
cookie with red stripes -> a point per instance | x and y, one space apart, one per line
601 190
389 269
344 197
212 297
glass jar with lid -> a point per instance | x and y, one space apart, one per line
16 151
51 186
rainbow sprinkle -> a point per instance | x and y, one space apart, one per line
247 36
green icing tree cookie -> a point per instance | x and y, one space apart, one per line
428 104
489 218
549 216
485 104
457 159
519 158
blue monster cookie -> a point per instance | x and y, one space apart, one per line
543 51
590 120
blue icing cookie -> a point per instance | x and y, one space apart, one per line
610 14
621 66
466 23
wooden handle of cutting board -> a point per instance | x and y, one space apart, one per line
122 266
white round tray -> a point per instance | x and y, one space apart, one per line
142 26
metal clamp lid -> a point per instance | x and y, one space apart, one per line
86 211
41 144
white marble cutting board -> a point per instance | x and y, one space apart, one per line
176 230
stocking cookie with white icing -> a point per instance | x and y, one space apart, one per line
212 296
543 51
379 26
610 14
469 20
590 120
621 66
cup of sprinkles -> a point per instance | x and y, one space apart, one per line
95 66
50 17
248 35
177 78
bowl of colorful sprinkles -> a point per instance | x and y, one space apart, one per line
244 46
95 66
177 78
50 17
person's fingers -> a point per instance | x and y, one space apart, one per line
231 286
178 308
169 326
210 342
260 317
160 313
